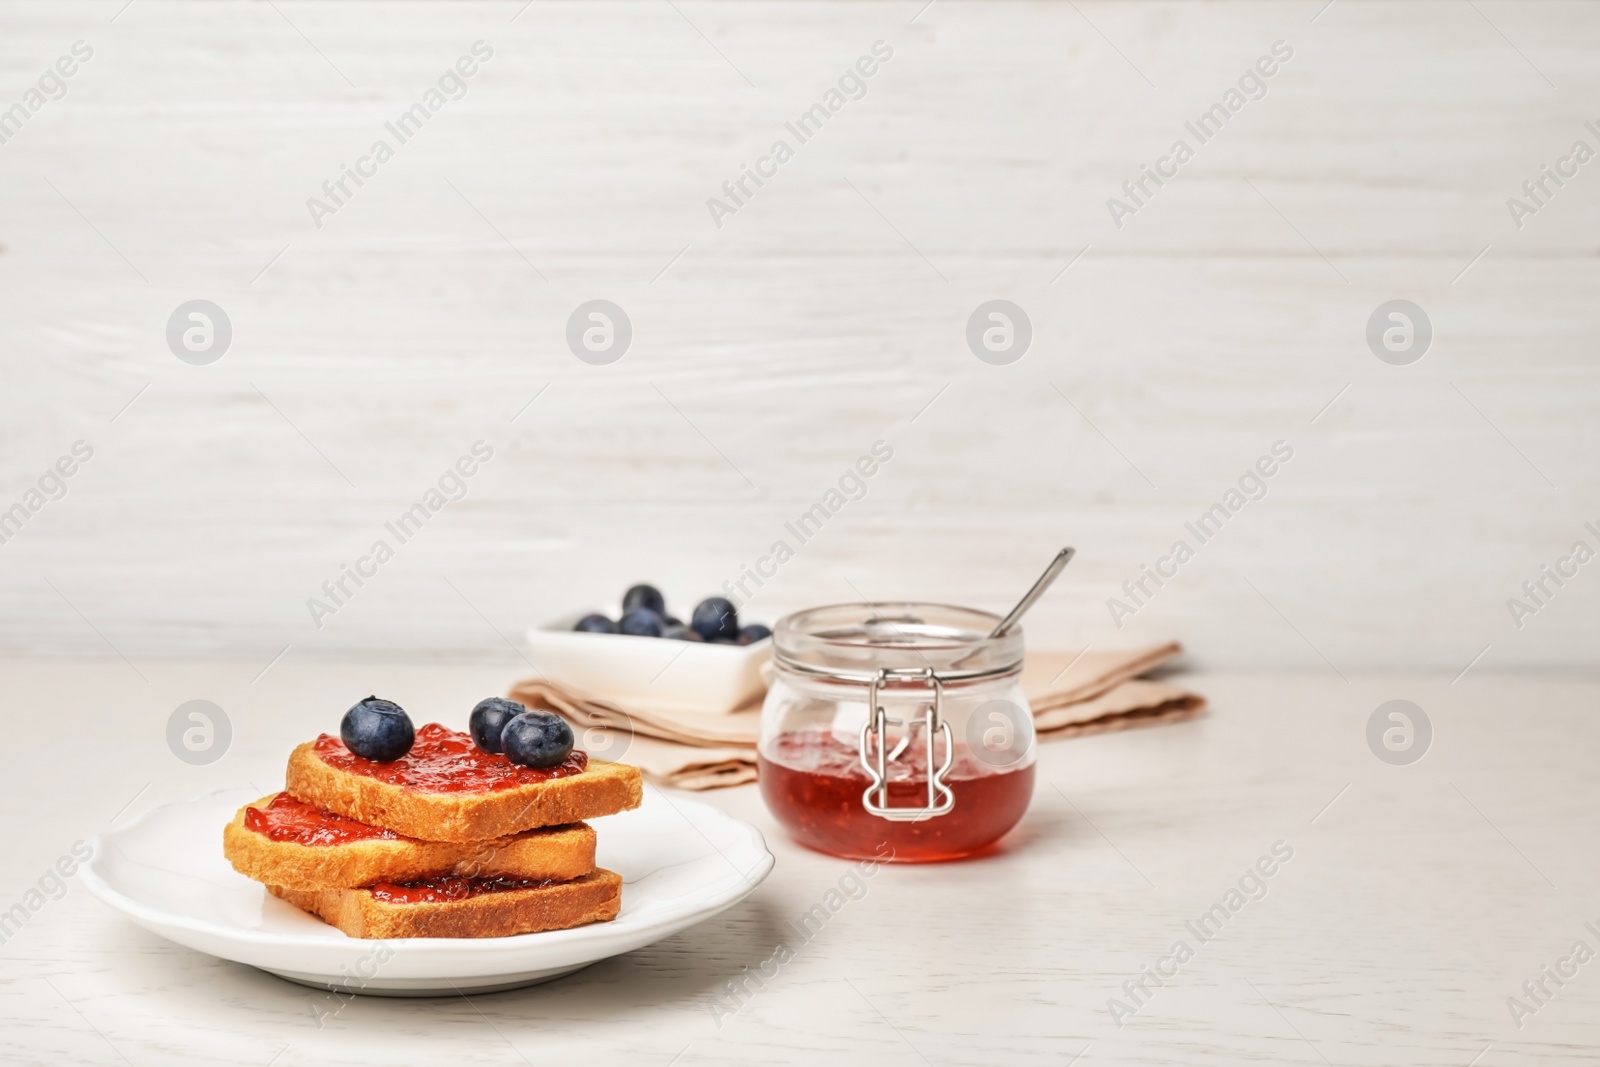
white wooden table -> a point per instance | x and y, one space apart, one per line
1418 898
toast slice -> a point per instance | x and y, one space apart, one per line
463 907
448 789
283 841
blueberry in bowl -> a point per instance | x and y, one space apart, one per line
488 721
749 635
715 619
377 729
595 624
644 596
537 739
677 631
641 622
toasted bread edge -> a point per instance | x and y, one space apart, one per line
557 852
595 897
602 789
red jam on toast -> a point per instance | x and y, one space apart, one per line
442 889
288 819
446 761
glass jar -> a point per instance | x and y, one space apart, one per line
896 731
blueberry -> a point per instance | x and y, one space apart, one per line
595 624
377 730
644 596
715 618
641 622
679 632
749 635
489 718
537 739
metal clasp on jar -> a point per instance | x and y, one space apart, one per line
940 798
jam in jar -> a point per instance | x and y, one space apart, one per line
896 731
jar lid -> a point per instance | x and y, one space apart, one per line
859 642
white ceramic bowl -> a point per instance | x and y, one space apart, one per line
649 672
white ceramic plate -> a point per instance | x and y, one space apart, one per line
650 672
681 863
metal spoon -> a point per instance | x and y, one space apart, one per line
1051 573
1037 590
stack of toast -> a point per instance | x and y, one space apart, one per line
448 840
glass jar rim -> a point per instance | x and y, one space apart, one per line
898 642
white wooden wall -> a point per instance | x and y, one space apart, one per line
370 353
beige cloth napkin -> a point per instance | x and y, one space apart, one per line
1071 694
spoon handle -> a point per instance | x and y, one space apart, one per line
1038 590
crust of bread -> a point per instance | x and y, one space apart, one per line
595 897
555 852
602 789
